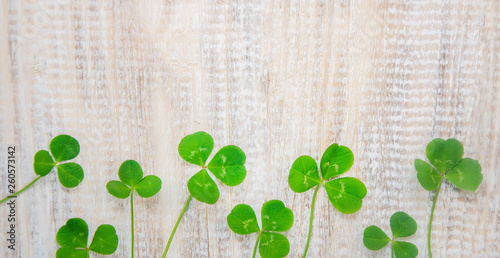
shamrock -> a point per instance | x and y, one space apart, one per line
275 218
131 178
447 161
73 238
227 165
402 225
345 193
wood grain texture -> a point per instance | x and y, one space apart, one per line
280 79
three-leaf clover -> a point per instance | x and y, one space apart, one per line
131 178
345 193
227 165
73 238
275 218
447 161
402 225
62 149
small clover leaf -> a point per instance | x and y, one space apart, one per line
195 148
227 165
73 238
70 174
345 194
118 189
131 178
374 238
203 188
273 245
148 186
242 220
444 154
304 174
404 249
275 218
63 148
43 163
402 225
428 177
446 157
466 175
335 161
105 240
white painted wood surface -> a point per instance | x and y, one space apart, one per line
129 79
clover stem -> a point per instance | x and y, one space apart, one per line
132 221
311 220
255 248
176 225
432 215
20 191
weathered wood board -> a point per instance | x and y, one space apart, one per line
280 79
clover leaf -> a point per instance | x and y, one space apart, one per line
62 149
275 218
131 178
73 238
345 193
402 225
227 165
447 163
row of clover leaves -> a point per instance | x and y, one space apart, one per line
227 165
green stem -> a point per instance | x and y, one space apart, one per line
132 221
392 248
311 220
20 191
255 248
176 225
432 215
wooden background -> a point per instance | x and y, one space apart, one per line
129 79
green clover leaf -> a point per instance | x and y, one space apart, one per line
446 157
131 178
275 218
73 238
227 165
43 163
203 188
345 194
242 220
402 225
63 148
447 162
195 148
